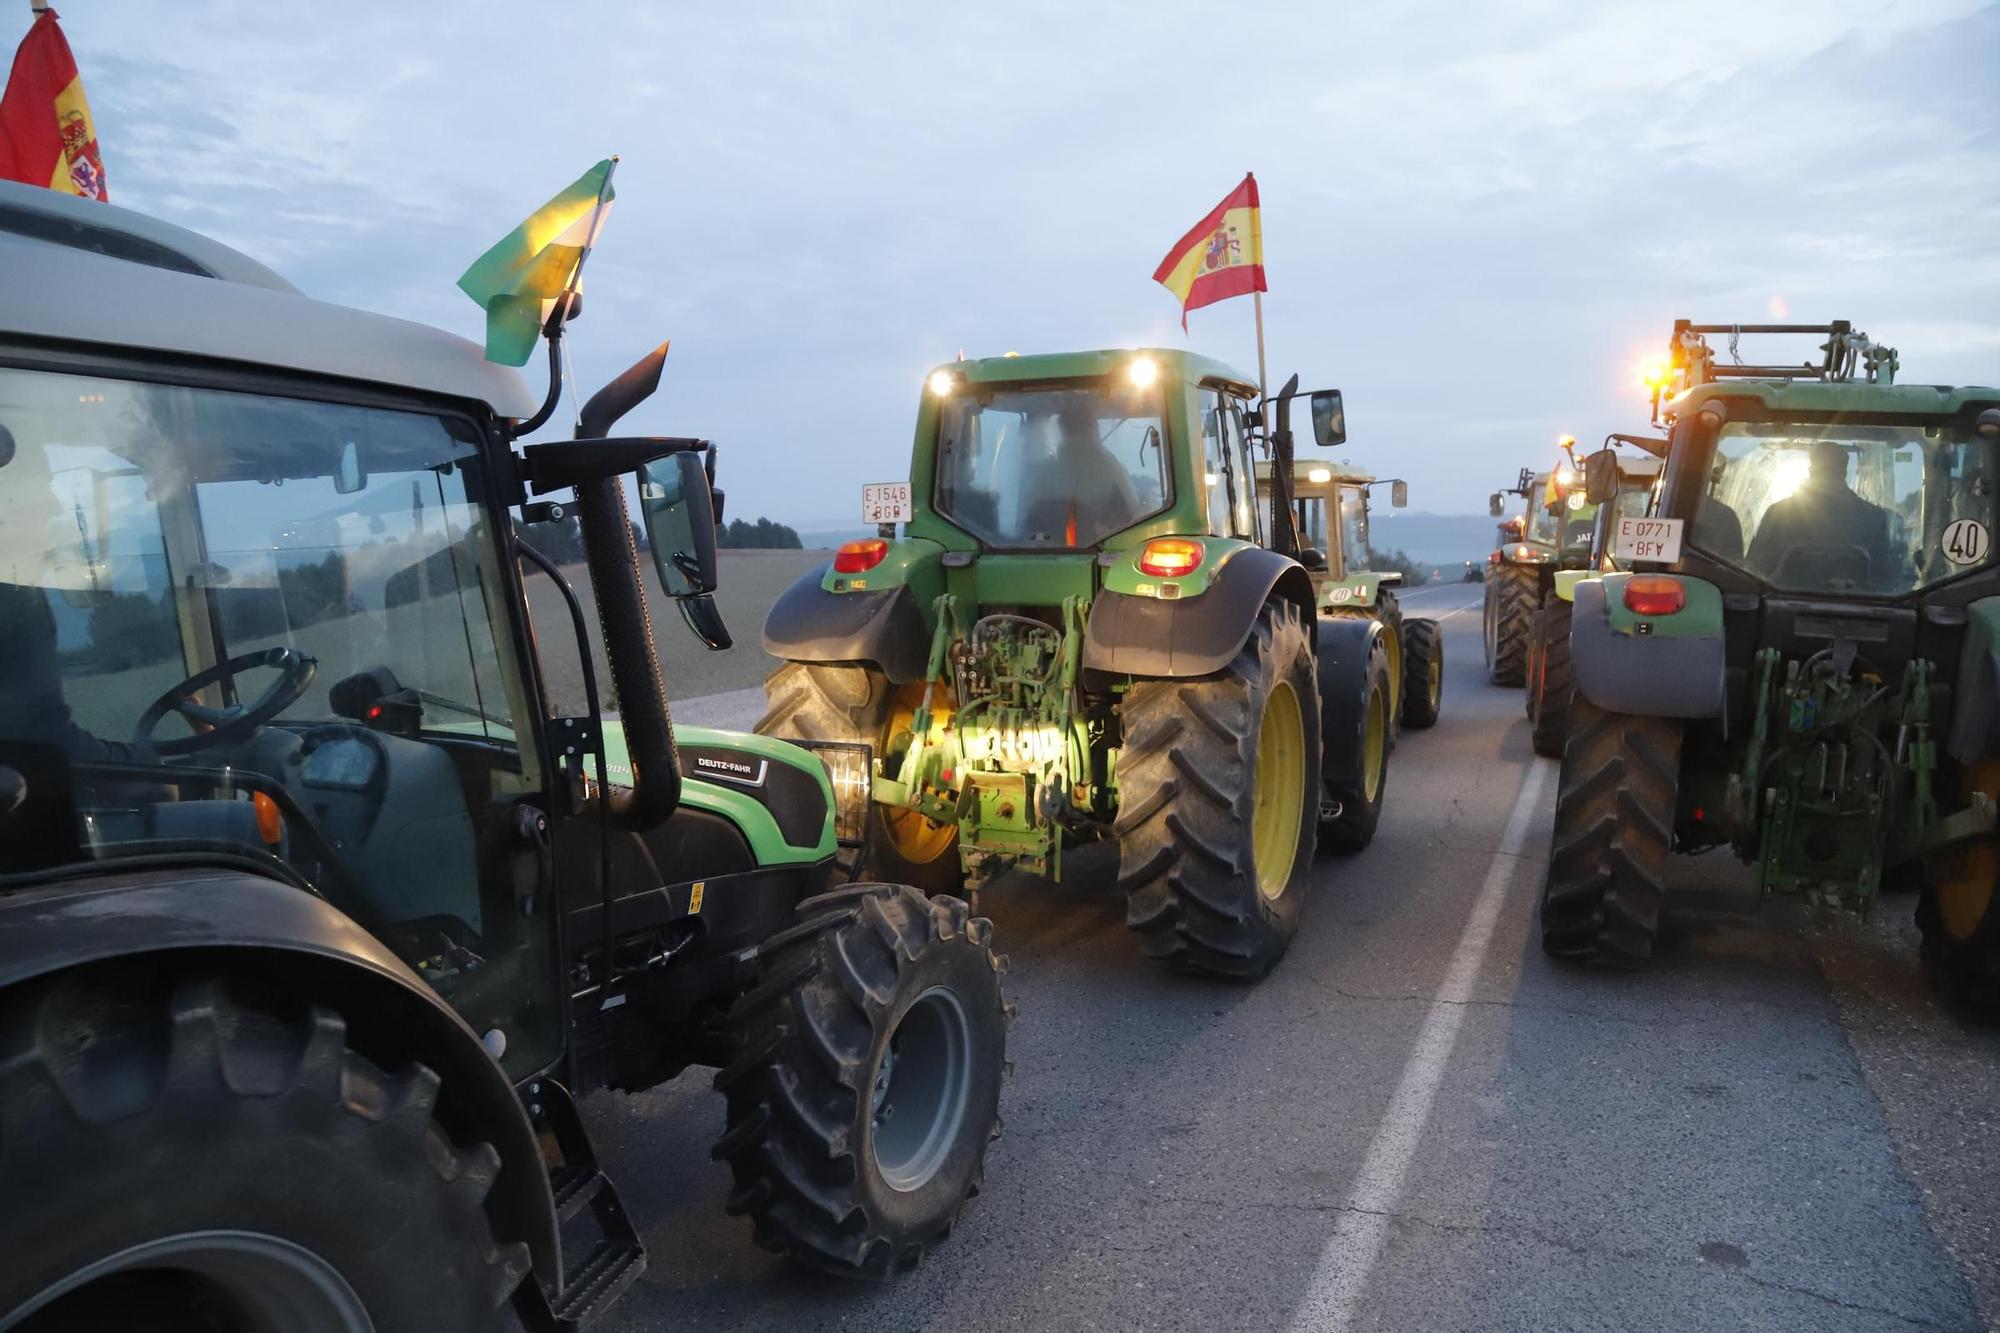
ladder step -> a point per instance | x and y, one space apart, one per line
595 1284
574 1188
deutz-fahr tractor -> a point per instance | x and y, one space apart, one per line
315 916
1551 533
1082 636
1800 658
1332 504
1634 477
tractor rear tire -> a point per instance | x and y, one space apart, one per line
174 1142
1213 869
1958 915
878 1001
813 701
1613 830
1552 686
1361 801
1423 673
1512 594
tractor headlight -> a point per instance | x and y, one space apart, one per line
1142 372
849 769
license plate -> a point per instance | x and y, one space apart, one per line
1657 539
885 502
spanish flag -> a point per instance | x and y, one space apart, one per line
1222 257
46 134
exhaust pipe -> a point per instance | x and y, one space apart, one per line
622 615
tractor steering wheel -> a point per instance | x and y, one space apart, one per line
226 724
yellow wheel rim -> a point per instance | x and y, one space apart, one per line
1436 678
1280 791
1964 898
1374 746
916 839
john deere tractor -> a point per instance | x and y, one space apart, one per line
1333 521
1800 657
1520 573
1090 631
316 916
1634 476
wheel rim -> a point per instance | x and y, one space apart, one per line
1280 792
921 1090
267 1283
1436 677
1374 746
916 839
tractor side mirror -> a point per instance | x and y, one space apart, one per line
350 473
1600 477
680 523
1399 495
1329 419
1493 505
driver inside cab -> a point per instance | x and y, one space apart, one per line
1824 521
1084 493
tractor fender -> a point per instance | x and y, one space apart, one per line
1132 635
1975 710
1345 645
885 628
1661 674
303 943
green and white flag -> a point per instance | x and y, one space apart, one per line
517 280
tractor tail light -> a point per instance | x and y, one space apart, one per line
1170 557
860 557
1654 595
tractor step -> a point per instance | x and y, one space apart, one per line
605 1253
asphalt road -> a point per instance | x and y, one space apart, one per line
1418 1121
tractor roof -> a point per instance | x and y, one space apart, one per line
1840 397
91 273
1175 364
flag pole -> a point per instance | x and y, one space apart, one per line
576 277
1263 379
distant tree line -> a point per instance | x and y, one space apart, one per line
1414 574
761 535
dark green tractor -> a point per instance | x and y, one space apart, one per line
1800 658
317 915
1091 631
1632 479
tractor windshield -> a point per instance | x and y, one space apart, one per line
1844 508
266 632
1052 467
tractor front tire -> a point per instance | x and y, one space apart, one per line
1360 800
1512 594
1423 673
1613 830
867 1084
174 1143
1218 785
813 701
1552 686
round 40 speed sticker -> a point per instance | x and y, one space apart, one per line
1966 542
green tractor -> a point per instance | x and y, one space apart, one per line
1332 504
1550 533
1090 631
1799 658
317 917
1635 477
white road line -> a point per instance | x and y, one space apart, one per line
1334 1295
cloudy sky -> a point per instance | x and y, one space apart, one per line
1479 220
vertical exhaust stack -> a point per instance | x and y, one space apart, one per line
616 574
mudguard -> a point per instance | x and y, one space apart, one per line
1131 635
885 628
1975 711
1345 645
1650 666
263 924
